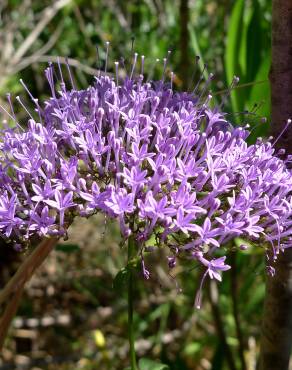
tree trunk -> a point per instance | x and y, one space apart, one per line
276 337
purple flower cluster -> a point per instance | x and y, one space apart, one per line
162 162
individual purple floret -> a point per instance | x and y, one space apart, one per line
161 162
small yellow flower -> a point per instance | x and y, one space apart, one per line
99 338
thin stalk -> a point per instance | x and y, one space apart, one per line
131 331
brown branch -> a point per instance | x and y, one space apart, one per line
9 313
27 268
13 69
51 58
47 15
115 9
16 284
82 27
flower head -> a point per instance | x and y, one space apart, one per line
149 156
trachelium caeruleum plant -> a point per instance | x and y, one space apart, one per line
169 167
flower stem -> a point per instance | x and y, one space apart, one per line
131 254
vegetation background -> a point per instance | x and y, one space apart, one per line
72 315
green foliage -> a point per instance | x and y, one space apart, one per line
121 279
147 364
67 248
247 55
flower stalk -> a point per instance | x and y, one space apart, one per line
131 331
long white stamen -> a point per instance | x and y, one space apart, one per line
60 70
106 56
10 105
282 132
165 61
24 107
134 65
117 72
9 115
142 64
70 75
153 69
200 79
171 79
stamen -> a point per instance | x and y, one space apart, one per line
210 78
282 132
34 100
208 99
122 61
153 69
117 73
281 151
11 105
142 64
50 78
106 56
165 61
200 79
9 115
171 79
70 75
198 299
263 120
98 61
234 82
257 106
197 58
27 90
60 71
24 107
105 223
134 65
5 124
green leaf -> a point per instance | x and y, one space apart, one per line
239 241
192 348
196 48
121 279
233 44
261 95
254 45
146 364
256 300
67 248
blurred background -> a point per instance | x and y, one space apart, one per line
72 315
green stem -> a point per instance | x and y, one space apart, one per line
131 332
